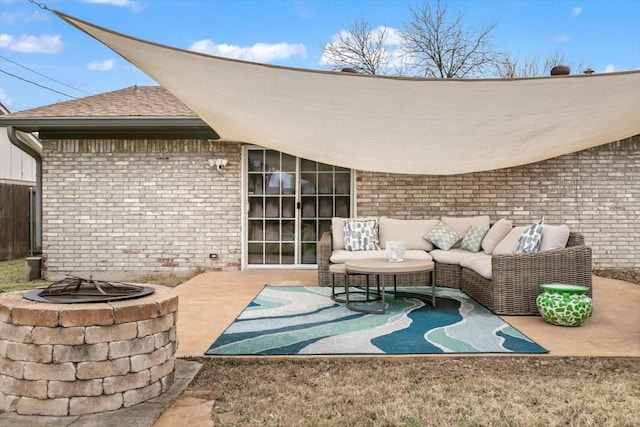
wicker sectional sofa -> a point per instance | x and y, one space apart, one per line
507 283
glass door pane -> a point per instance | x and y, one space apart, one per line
325 192
290 203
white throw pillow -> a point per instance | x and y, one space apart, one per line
529 240
498 231
554 237
361 234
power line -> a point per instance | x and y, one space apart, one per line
37 84
46 77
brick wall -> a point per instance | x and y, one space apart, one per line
157 206
142 206
596 191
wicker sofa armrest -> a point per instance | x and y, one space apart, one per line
516 278
324 253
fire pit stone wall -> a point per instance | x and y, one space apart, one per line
74 359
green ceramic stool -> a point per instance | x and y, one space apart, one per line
563 304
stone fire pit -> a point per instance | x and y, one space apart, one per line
75 359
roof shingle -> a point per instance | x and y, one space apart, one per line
134 101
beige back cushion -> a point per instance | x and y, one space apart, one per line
498 231
554 237
461 224
508 244
337 233
410 231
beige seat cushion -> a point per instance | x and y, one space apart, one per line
410 231
554 237
508 244
452 256
341 256
498 231
481 264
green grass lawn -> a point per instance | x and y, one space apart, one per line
12 277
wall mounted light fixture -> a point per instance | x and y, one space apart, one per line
219 164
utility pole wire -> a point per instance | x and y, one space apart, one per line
46 77
37 84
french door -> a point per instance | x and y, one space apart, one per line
289 204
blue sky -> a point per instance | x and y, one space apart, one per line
38 47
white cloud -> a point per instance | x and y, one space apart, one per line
136 6
576 11
259 52
4 98
610 68
106 65
7 18
31 44
561 38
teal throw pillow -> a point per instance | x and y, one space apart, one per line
442 236
472 241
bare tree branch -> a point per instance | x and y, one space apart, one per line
360 48
442 47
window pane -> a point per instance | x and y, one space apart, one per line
288 163
288 253
272 161
325 183
255 255
255 207
307 165
272 230
288 231
308 207
288 183
272 253
309 231
272 207
342 206
308 253
255 161
308 183
343 183
256 231
255 184
288 207
325 210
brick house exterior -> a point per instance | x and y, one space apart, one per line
139 196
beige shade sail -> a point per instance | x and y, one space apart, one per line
390 124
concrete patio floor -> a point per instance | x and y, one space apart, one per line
208 303
211 301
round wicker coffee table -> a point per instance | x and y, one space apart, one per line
380 267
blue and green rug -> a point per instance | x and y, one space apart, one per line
285 320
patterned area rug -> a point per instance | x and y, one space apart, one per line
284 320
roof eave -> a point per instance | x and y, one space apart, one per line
112 127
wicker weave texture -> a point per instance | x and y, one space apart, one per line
516 278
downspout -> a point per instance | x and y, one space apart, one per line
15 140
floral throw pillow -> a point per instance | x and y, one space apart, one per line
472 241
529 241
442 236
361 235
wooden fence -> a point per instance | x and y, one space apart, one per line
14 220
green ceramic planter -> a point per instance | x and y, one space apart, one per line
563 304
